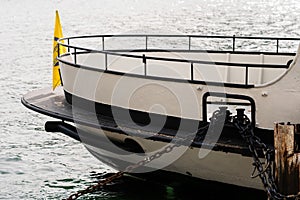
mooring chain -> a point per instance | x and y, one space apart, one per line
130 168
96 187
264 169
217 117
177 143
255 145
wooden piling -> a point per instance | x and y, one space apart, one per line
287 158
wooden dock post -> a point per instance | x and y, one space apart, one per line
287 158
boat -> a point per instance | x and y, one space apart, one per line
143 108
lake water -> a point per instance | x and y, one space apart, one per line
39 165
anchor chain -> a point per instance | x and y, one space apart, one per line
257 147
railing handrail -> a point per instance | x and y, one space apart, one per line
176 59
183 36
191 62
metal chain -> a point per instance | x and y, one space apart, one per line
96 187
130 168
264 169
256 147
177 143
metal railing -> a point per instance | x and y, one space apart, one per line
189 39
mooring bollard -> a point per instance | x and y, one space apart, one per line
287 158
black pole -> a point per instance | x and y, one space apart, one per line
75 57
246 78
144 61
233 43
192 71
68 45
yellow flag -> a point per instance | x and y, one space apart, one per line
57 35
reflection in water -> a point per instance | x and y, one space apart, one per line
130 187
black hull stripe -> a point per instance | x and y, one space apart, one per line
139 117
172 123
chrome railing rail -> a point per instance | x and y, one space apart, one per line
189 38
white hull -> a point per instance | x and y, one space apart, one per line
229 168
218 165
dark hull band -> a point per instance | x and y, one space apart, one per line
55 105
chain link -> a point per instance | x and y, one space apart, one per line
177 143
130 168
263 168
96 187
259 150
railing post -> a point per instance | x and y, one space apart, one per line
277 46
146 42
68 45
246 78
58 53
103 43
105 60
192 71
189 43
145 64
75 56
204 107
233 43
61 80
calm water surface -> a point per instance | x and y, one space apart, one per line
39 165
